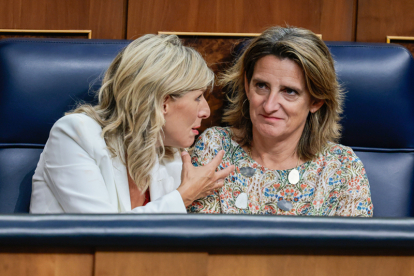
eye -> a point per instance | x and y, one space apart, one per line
199 97
290 91
261 85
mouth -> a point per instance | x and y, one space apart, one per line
271 118
195 130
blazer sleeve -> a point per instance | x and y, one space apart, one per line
169 203
71 170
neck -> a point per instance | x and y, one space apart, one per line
275 154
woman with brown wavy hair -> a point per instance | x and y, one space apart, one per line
284 127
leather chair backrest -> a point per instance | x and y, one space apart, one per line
40 80
378 119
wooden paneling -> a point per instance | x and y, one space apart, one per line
347 20
38 263
293 265
379 18
125 263
332 19
177 263
150 263
338 20
106 18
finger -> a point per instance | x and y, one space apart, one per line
213 190
216 160
224 172
185 157
219 183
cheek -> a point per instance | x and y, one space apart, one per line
300 112
255 105
188 116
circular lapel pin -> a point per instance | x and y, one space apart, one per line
241 201
247 171
293 176
285 205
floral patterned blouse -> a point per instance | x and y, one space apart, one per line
332 184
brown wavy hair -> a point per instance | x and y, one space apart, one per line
308 51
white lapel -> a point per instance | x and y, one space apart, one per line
157 179
166 177
121 184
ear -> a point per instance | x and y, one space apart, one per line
315 105
166 104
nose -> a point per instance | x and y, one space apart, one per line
204 111
272 103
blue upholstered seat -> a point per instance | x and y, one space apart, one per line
39 81
378 119
42 79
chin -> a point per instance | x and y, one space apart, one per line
268 131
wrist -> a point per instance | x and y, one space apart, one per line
185 196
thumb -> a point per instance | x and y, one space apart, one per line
217 159
185 157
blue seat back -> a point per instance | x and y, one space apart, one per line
40 80
378 119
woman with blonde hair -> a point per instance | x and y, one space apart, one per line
123 154
284 126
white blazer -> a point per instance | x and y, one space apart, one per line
76 174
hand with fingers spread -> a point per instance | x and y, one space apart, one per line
198 182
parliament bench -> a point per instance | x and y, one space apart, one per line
42 79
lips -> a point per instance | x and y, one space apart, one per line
195 131
270 117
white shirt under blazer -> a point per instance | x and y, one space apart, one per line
76 174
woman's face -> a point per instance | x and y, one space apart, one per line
279 99
183 117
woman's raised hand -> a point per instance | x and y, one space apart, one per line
198 182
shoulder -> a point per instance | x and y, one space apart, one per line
217 131
214 137
79 129
338 150
77 125
77 121
341 153
210 142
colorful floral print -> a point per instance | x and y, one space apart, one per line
333 184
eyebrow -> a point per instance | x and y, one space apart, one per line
258 80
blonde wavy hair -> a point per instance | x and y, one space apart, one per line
130 107
312 55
